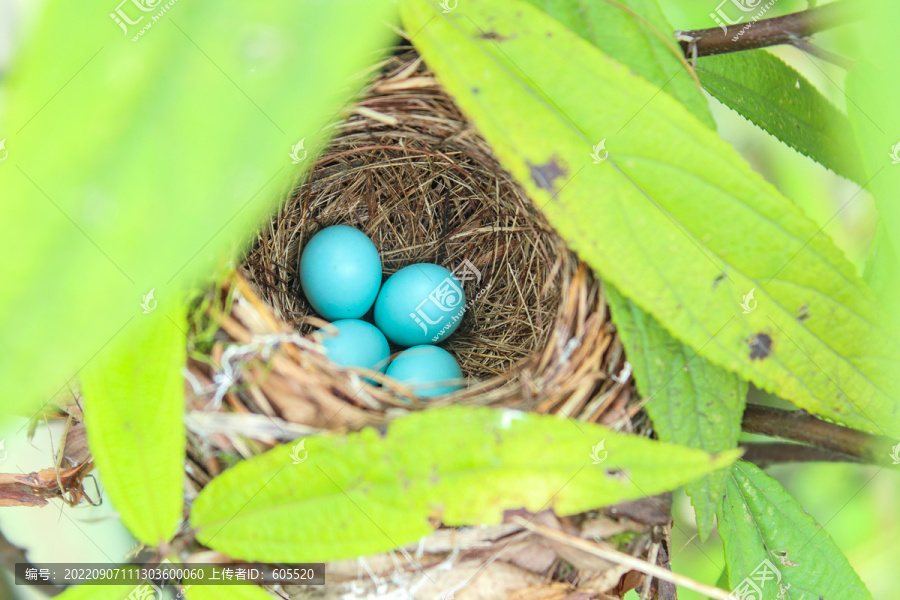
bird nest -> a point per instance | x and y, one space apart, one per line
407 169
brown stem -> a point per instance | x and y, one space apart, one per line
766 454
800 426
768 32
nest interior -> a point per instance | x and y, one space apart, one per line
408 170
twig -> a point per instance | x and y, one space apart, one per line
765 454
768 32
623 559
800 426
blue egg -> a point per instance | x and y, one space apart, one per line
340 272
420 304
357 344
425 368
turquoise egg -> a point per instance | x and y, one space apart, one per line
420 304
425 367
357 344
340 272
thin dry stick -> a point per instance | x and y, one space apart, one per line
648 578
624 559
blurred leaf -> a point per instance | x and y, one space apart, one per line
367 493
764 90
883 269
637 34
141 165
673 217
692 402
872 87
133 412
760 522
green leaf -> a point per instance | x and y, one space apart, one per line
142 165
232 592
364 493
760 522
872 87
674 218
637 34
722 581
883 269
763 89
692 402
133 411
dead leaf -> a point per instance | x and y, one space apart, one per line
34 489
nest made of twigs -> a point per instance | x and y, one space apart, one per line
407 169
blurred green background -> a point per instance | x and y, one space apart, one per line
856 505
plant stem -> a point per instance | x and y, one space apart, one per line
764 454
787 29
800 426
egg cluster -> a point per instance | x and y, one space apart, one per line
418 306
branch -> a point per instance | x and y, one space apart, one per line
800 426
788 29
765 454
